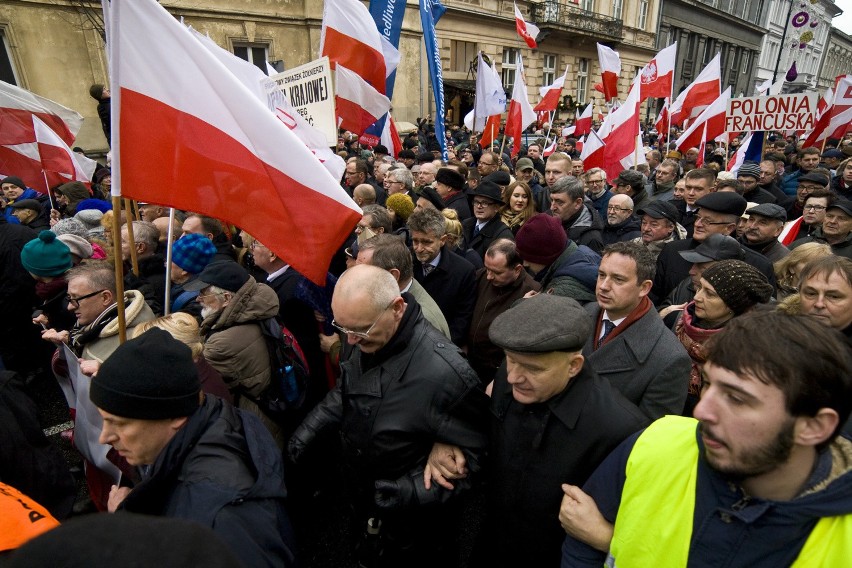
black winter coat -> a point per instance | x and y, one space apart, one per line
452 284
223 470
490 232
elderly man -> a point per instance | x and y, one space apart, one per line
403 388
579 219
200 458
553 420
356 174
375 220
621 223
31 213
364 194
756 480
190 255
665 176
807 184
446 276
631 346
764 225
499 284
749 176
213 230
399 180
450 186
596 190
151 211
659 226
427 173
485 226
489 162
812 218
836 229
151 280
632 184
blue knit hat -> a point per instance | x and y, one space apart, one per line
193 252
46 255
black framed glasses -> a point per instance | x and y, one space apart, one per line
75 302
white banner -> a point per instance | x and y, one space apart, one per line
309 90
776 112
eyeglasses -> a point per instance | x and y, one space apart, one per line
486 164
707 221
614 208
478 203
594 181
814 208
75 302
361 334
255 244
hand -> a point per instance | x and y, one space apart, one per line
580 517
89 367
392 494
669 309
530 294
319 317
116 496
41 320
56 337
295 449
55 216
445 462
327 342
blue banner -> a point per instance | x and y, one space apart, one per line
430 12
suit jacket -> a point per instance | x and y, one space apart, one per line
431 312
453 287
490 232
645 362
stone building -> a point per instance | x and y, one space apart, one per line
836 59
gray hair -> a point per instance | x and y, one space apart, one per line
428 221
570 185
402 175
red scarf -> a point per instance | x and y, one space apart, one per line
640 310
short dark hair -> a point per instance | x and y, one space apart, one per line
810 362
808 151
646 261
732 183
96 91
505 247
702 173
361 166
209 224
389 251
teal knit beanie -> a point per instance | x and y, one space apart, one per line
46 255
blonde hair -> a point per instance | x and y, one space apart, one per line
785 269
454 227
181 326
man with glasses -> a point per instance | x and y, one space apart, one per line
632 184
813 216
836 229
596 189
808 183
665 176
399 180
485 226
621 223
402 389
488 163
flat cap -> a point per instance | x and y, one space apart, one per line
815 178
660 210
224 274
26 204
542 324
524 164
628 177
723 202
843 204
714 247
770 210
833 153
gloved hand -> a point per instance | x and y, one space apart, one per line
295 448
395 494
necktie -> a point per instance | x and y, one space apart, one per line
689 214
475 230
608 326
427 268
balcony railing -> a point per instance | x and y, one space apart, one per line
569 17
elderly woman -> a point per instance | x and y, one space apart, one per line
726 290
519 207
788 268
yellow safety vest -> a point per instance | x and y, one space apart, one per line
654 522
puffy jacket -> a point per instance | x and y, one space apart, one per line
574 274
222 470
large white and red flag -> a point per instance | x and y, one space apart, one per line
702 148
217 149
822 117
610 70
521 113
658 74
350 38
358 104
583 122
739 156
550 94
593 152
58 162
713 116
390 137
527 31
17 107
699 94
836 119
621 133
550 148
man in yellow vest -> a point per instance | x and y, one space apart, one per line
761 478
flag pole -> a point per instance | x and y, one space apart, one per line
549 128
119 266
169 240
503 144
131 242
478 71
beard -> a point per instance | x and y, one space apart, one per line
207 312
758 460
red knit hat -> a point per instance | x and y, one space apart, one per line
541 239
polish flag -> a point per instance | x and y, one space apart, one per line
349 37
17 107
390 137
583 122
569 131
527 31
358 104
551 94
821 120
699 161
579 145
610 70
521 113
593 152
58 162
622 130
491 130
658 74
841 110
699 94
217 149
740 155
550 149
713 116
662 120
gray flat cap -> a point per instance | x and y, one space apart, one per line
542 324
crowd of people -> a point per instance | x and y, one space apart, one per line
513 362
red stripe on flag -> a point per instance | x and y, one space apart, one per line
550 101
353 116
214 174
16 126
356 56
609 81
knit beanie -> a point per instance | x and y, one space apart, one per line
71 226
46 256
401 204
541 239
740 285
151 377
14 180
193 252
749 169
77 245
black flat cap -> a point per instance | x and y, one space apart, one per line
770 210
724 202
814 177
224 274
499 177
542 324
27 204
714 247
844 205
660 210
629 177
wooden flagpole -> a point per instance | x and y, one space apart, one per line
119 266
131 242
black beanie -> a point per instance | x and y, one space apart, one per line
151 377
740 285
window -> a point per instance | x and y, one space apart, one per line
510 58
617 8
462 54
643 15
746 61
548 70
7 69
587 5
255 53
690 46
709 49
582 79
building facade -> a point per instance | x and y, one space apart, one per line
836 59
55 48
